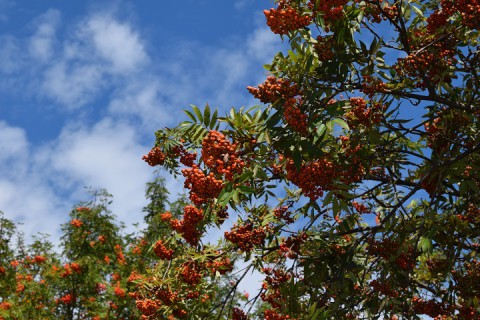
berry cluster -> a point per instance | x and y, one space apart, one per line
67 299
221 156
291 246
472 215
285 18
76 223
119 291
362 115
439 18
190 273
246 237
383 288
282 213
331 10
468 282
186 158
387 250
430 60
147 307
294 117
324 48
238 314
372 85
162 251
166 296
273 282
273 89
470 11
154 157
313 177
431 308
192 216
271 314
221 265
360 207
203 188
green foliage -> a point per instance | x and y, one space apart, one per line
356 186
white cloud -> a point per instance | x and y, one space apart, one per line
262 44
23 194
13 142
10 53
108 156
41 44
144 99
72 84
117 43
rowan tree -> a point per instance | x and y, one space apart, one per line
354 187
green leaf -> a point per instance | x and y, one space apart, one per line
341 123
197 112
206 116
190 115
425 244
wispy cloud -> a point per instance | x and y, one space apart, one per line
116 42
42 42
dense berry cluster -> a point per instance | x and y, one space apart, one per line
203 188
383 288
282 213
286 18
186 158
187 227
431 308
468 281
190 273
295 117
372 85
147 307
76 223
238 314
470 11
273 89
162 251
154 157
472 215
330 10
246 237
404 258
360 114
314 177
360 207
221 156
324 48
274 280
67 299
430 60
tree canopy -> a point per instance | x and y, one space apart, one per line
353 188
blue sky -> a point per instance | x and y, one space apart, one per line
84 85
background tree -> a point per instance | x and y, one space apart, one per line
356 186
